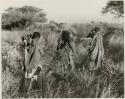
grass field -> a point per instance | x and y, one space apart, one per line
106 82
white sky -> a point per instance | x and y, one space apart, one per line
69 11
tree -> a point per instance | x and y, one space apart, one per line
21 18
114 7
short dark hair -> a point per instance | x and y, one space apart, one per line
96 29
36 35
93 32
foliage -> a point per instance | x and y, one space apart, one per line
21 18
114 7
54 81
10 70
10 84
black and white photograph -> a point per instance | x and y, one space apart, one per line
62 48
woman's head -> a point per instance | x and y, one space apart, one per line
93 32
36 37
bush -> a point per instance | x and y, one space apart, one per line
22 18
55 82
10 85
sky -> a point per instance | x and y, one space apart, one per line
69 11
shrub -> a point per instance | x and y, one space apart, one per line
55 82
10 85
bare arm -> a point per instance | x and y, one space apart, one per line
93 44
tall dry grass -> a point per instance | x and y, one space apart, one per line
55 82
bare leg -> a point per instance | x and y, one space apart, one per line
71 60
31 84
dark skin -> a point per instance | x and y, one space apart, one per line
92 44
93 31
65 36
28 44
